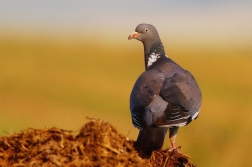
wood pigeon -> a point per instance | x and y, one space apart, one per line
165 96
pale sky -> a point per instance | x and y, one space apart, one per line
222 18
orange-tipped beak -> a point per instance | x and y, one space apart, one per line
134 35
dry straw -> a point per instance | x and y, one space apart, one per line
97 144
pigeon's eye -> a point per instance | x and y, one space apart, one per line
146 30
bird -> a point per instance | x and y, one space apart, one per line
164 97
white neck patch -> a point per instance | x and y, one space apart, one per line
152 58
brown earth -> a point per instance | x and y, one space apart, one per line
97 144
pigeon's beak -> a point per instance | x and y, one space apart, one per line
134 35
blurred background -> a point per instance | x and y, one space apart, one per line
60 60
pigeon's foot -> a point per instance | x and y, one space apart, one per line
175 149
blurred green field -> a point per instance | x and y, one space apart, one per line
47 81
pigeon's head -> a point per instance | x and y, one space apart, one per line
146 33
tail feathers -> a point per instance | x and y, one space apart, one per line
151 138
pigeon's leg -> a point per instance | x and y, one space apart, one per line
173 133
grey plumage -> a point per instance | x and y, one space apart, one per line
165 96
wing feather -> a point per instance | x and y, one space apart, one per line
147 86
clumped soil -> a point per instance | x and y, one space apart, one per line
97 144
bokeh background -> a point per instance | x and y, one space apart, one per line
60 60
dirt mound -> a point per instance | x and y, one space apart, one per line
97 144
